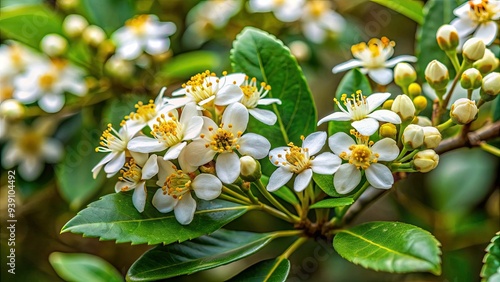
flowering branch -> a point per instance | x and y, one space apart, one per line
469 139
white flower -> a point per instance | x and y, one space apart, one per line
362 155
253 96
373 59
170 133
177 186
147 114
318 19
47 82
143 33
30 147
15 58
224 140
284 10
360 110
206 89
302 162
477 17
134 176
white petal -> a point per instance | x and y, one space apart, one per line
380 76
139 197
163 202
52 150
464 26
25 96
386 148
51 103
366 126
347 65
174 151
134 126
486 32
385 115
150 168
314 32
235 115
254 145
462 10
144 144
279 178
340 142
379 176
157 46
115 164
197 154
206 186
140 158
235 78
188 112
193 128
130 51
403 58
264 116
346 178
185 208
268 101
184 164
31 168
228 94
227 167
278 154
123 186
302 180
165 169
326 163
98 166
337 116
207 124
314 142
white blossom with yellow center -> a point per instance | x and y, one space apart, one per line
362 155
133 177
143 33
177 186
170 133
284 10
318 19
147 114
373 58
15 58
300 161
254 96
224 141
361 111
477 17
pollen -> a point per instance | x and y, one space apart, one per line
224 141
112 141
177 184
297 158
131 173
138 24
144 112
481 12
356 106
168 130
46 81
201 86
31 143
251 93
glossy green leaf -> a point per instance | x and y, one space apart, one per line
325 182
205 252
261 55
412 9
108 14
389 246
332 203
491 267
8 3
187 64
83 268
436 13
271 270
29 23
114 217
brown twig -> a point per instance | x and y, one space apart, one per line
470 139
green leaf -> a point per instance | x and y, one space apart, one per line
108 14
261 55
271 270
491 268
325 182
29 23
436 13
114 217
205 252
409 8
116 109
332 203
188 64
389 246
83 268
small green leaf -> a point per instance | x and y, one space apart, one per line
205 252
271 270
114 217
389 246
108 14
83 268
412 9
187 64
491 268
325 182
332 203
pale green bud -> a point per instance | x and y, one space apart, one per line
12 109
74 25
473 49
488 63
413 136
463 111
471 79
432 137
422 121
93 35
437 75
404 74
54 45
403 106
426 160
491 84
300 50
249 169
447 37
118 67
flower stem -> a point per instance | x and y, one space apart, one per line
465 65
409 156
231 199
490 149
403 152
274 212
286 233
235 195
293 247
344 209
454 59
273 200
445 125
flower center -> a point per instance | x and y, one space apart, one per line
169 131
31 143
223 140
373 54
144 112
112 141
199 87
16 56
138 24
177 184
481 11
360 155
251 94
131 174
297 158
46 80
317 8
356 106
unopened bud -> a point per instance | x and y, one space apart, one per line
414 89
53 45
463 111
447 37
426 160
67 4
437 75
387 104
249 169
420 103
388 130
471 79
487 63
432 137
404 74
12 109
413 136
300 50
74 25
93 35
403 106
118 67
491 84
422 121
473 49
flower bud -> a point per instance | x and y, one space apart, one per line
74 25
437 75
300 50
387 104
93 35
413 136
432 137
12 109
426 160
67 4
463 111
249 169
420 103
491 84
403 106
118 67
53 45
473 49
471 79
404 74
388 130
422 121
487 63
447 37
414 89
